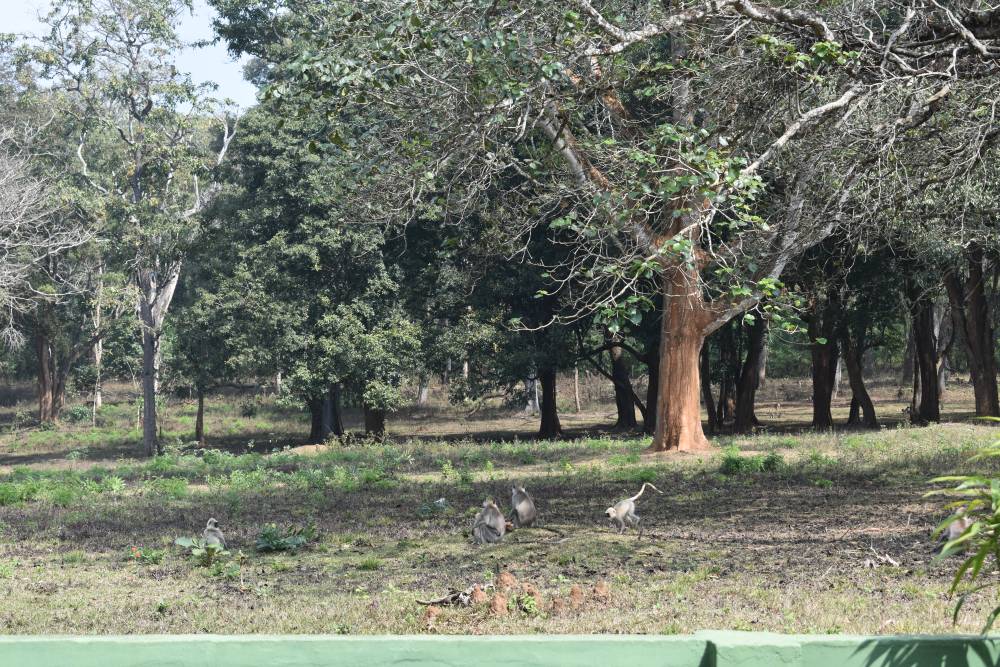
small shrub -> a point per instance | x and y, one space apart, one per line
735 464
370 564
204 555
248 408
174 488
291 538
146 556
77 414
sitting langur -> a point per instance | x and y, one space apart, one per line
624 510
213 536
489 525
523 507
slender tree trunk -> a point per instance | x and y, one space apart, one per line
277 383
929 409
326 425
838 371
423 390
337 414
706 390
149 372
97 350
374 422
550 427
98 357
46 390
824 367
154 300
199 422
854 416
576 387
531 397
623 389
750 376
909 359
971 314
853 351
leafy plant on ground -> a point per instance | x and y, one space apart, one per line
146 556
290 538
734 463
976 506
204 555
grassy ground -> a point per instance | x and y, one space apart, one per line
787 546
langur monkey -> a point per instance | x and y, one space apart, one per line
523 507
624 510
489 525
213 536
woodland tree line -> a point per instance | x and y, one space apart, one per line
495 192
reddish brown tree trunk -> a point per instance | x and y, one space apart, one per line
971 314
682 334
52 377
550 427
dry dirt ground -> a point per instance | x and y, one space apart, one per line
831 535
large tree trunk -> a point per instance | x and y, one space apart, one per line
316 435
682 334
751 376
623 389
925 341
374 422
550 427
199 421
970 311
853 352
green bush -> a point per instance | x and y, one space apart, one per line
291 538
735 464
77 414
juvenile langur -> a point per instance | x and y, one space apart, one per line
213 536
523 507
956 528
489 525
624 510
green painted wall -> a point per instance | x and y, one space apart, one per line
704 649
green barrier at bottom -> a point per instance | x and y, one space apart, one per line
704 649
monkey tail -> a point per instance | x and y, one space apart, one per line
644 485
